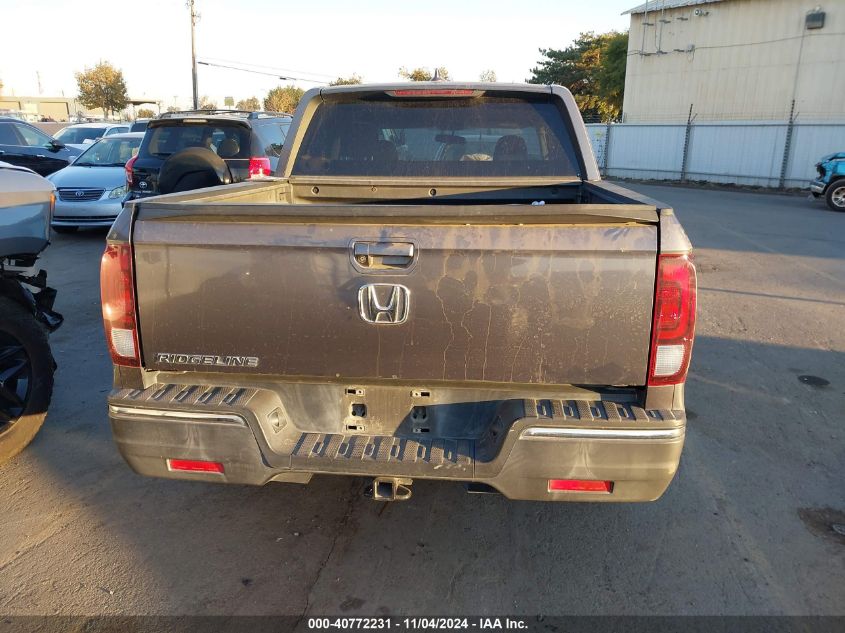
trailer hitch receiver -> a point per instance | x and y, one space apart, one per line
391 489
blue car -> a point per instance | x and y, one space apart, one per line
831 181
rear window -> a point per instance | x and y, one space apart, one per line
272 136
475 137
229 141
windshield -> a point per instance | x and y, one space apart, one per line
78 135
473 137
109 152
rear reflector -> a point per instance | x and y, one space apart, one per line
673 329
117 295
580 485
194 466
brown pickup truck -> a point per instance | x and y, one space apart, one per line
436 285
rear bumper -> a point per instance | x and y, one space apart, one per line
528 443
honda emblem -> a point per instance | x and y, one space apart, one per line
384 303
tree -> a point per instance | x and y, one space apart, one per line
593 68
352 80
1 86
102 87
145 113
487 76
611 75
283 98
423 74
252 103
174 108
207 104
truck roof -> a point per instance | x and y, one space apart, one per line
438 85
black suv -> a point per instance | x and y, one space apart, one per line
25 145
243 143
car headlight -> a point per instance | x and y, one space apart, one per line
118 193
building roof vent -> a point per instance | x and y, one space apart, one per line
815 19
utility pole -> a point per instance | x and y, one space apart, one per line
194 17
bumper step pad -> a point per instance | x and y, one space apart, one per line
392 455
196 397
601 411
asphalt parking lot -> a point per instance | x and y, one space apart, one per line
746 527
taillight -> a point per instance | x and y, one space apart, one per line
118 300
129 164
673 329
259 166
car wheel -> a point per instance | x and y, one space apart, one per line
26 377
65 229
835 196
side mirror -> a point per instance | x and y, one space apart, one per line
57 145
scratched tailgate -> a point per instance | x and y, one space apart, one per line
563 303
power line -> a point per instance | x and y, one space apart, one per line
737 44
261 72
273 68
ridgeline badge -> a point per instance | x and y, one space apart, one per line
206 359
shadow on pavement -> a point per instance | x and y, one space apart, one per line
712 544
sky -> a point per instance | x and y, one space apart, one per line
149 40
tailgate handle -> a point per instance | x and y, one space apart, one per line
383 255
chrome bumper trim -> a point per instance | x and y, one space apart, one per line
580 433
229 418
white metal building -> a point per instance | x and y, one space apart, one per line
736 60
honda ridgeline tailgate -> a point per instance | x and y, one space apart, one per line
336 299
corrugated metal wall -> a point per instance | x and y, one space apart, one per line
723 152
740 60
